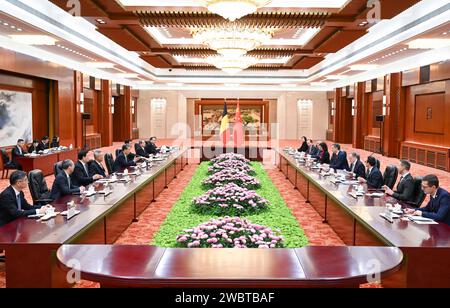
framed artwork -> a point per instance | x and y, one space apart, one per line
16 121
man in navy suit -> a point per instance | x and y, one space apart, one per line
139 149
63 185
122 161
96 166
356 166
17 152
13 204
80 176
43 145
151 147
405 187
374 178
339 159
438 208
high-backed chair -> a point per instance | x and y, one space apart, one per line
7 163
118 151
390 176
378 164
57 169
38 187
419 195
109 162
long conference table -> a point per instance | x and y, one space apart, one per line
30 245
358 223
46 162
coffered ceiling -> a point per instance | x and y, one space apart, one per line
153 44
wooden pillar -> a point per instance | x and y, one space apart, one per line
394 121
106 124
358 118
128 116
78 88
337 114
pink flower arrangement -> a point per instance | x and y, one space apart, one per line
238 165
230 156
230 232
226 176
230 199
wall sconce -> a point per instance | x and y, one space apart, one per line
112 105
353 107
133 105
81 102
384 105
332 109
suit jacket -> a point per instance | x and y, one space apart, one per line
304 147
405 189
151 148
9 209
359 170
55 144
16 153
32 148
96 168
140 151
438 208
339 161
41 147
323 157
313 151
80 177
121 163
62 188
374 178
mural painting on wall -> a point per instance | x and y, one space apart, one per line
15 117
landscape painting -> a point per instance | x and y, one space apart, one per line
212 116
15 117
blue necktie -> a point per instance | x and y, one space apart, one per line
19 202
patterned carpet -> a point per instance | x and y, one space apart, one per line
318 233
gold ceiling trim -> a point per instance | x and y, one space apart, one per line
266 20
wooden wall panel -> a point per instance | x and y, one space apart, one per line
419 127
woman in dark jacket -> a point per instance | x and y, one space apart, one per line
304 146
324 156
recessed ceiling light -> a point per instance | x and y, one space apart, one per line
429 43
128 75
34 39
144 82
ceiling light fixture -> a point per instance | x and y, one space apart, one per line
232 41
336 77
428 43
233 9
100 64
363 67
34 39
232 65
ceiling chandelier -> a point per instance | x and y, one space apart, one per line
233 9
232 41
232 65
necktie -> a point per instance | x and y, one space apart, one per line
353 167
20 150
85 169
19 202
126 160
68 180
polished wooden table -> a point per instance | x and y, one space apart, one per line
46 162
30 245
155 267
358 223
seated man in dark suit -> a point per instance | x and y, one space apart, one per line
13 204
122 161
405 187
356 166
151 148
438 208
139 149
33 147
17 152
312 149
63 185
339 159
96 166
80 176
43 145
374 178
55 142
